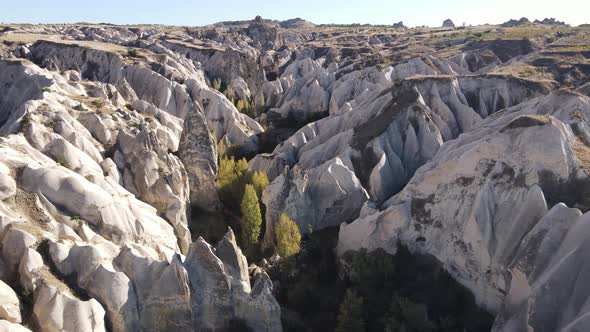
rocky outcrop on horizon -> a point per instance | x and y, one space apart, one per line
399 25
448 23
515 23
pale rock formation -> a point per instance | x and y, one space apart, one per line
55 310
264 35
7 186
116 217
226 123
387 136
15 243
141 290
105 149
472 205
306 86
92 265
222 298
234 262
227 61
198 153
9 304
295 193
6 326
240 89
157 178
161 288
102 150
30 264
211 289
545 293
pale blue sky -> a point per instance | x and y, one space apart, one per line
191 12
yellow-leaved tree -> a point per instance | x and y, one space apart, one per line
287 236
232 176
259 181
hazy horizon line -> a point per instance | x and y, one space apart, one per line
457 24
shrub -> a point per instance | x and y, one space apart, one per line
371 270
229 94
350 317
244 106
260 182
217 84
261 105
251 217
98 103
133 53
529 71
79 107
288 237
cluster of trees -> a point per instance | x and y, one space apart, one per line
404 315
366 292
244 106
239 190
405 292
217 84
232 177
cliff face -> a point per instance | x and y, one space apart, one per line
485 207
379 140
96 194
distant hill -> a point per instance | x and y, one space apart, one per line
524 21
514 23
296 23
287 24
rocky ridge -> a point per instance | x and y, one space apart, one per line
96 193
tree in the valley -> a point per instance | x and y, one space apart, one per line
288 237
350 316
251 217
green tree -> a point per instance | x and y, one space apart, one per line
229 94
260 182
350 317
260 105
232 176
244 106
217 84
373 276
288 237
409 316
226 174
251 217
